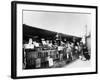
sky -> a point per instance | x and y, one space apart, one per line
63 22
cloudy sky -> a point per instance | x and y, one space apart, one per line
67 23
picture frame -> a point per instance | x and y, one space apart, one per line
20 15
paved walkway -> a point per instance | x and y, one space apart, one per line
78 63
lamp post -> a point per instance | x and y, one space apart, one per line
84 37
86 34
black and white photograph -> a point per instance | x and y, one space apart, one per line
54 39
